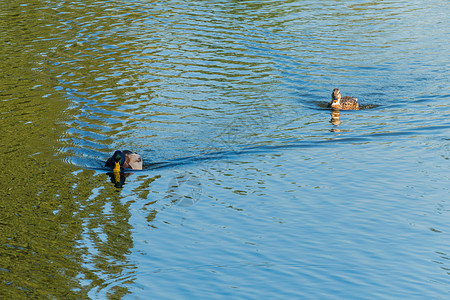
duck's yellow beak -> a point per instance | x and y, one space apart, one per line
116 167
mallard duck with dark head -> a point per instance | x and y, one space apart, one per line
124 160
342 103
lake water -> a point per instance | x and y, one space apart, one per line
251 188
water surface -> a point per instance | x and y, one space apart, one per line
251 188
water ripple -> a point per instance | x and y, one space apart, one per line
226 99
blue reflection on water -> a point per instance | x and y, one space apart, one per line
248 190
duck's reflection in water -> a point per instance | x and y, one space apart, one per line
118 178
335 120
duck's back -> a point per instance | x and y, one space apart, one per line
132 160
349 103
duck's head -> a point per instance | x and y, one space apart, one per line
119 160
335 97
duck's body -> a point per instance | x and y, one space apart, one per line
124 159
343 103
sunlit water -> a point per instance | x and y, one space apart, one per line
251 188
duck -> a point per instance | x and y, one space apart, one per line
125 159
345 103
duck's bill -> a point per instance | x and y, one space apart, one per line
116 166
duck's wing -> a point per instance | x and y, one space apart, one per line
348 98
349 103
132 160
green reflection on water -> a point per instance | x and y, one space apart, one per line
57 238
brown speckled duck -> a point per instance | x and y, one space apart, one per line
345 103
124 159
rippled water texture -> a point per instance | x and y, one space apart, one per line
251 187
